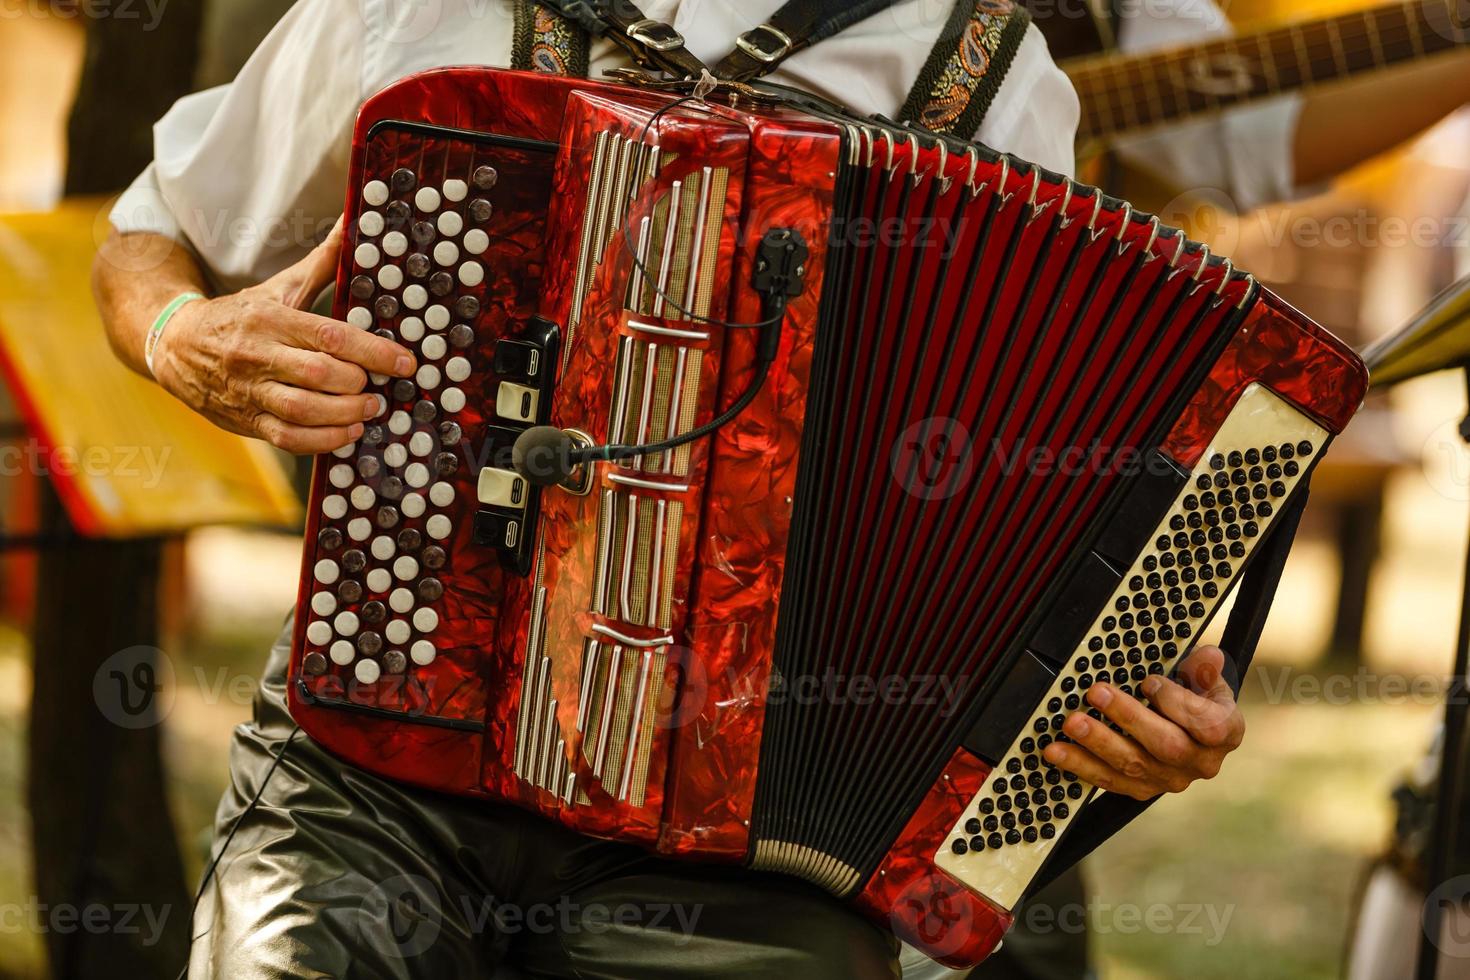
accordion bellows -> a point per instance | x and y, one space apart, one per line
1017 440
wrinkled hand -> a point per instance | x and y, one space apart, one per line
1185 736
256 363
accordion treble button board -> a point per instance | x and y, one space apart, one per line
1257 459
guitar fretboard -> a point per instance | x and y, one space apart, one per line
1123 94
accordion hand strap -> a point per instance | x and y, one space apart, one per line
547 42
1109 813
797 25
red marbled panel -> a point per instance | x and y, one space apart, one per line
924 905
1288 353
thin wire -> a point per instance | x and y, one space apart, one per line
249 808
648 276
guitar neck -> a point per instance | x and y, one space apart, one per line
1123 94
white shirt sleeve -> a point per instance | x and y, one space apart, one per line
1247 153
250 175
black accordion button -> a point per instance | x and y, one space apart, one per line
353 560
959 846
418 265
1013 837
1048 831
991 824
361 288
350 590
1061 810
372 435
479 210
995 841
972 826
441 284
394 662
369 643
1029 835
404 390
386 307
314 664
987 806
402 181
431 590
388 514
369 467
374 612
484 177
425 411
396 215
977 843
330 539
466 307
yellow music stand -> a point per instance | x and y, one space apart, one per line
126 458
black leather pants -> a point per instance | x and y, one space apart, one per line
338 873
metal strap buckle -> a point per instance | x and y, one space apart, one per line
655 34
746 43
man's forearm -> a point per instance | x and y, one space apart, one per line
134 277
1346 125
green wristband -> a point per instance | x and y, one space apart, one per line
150 343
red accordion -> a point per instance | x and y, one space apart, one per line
1015 439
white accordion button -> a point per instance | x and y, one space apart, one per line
441 494
383 547
415 296
400 422
345 452
435 346
446 253
421 443
412 505
405 568
326 571
472 274
366 255
379 581
422 653
476 241
437 317
341 653
334 506
395 243
390 277
359 528
455 190
452 400
346 623
427 199
318 633
377 379
438 527
425 620
395 455
428 377
360 317
397 632
324 603
458 369
370 224
411 328
340 476
401 601
375 193
382 403
363 497
367 671
450 223
416 476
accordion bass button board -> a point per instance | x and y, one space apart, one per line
1016 440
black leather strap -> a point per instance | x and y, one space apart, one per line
797 25
652 44
1110 813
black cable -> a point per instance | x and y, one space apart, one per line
627 231
763 368
249 808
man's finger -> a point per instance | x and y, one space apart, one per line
305 440
312 408
1204 670
1208 722
315 371
1159 736
1121 754
1090 768
345 342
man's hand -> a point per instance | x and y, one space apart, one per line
1184 737
254 362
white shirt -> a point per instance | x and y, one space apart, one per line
247 174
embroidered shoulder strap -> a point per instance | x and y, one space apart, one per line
965 69
545 41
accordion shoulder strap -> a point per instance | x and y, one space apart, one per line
1109 814
548 42
965 70
797 25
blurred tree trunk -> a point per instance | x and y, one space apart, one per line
103 833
